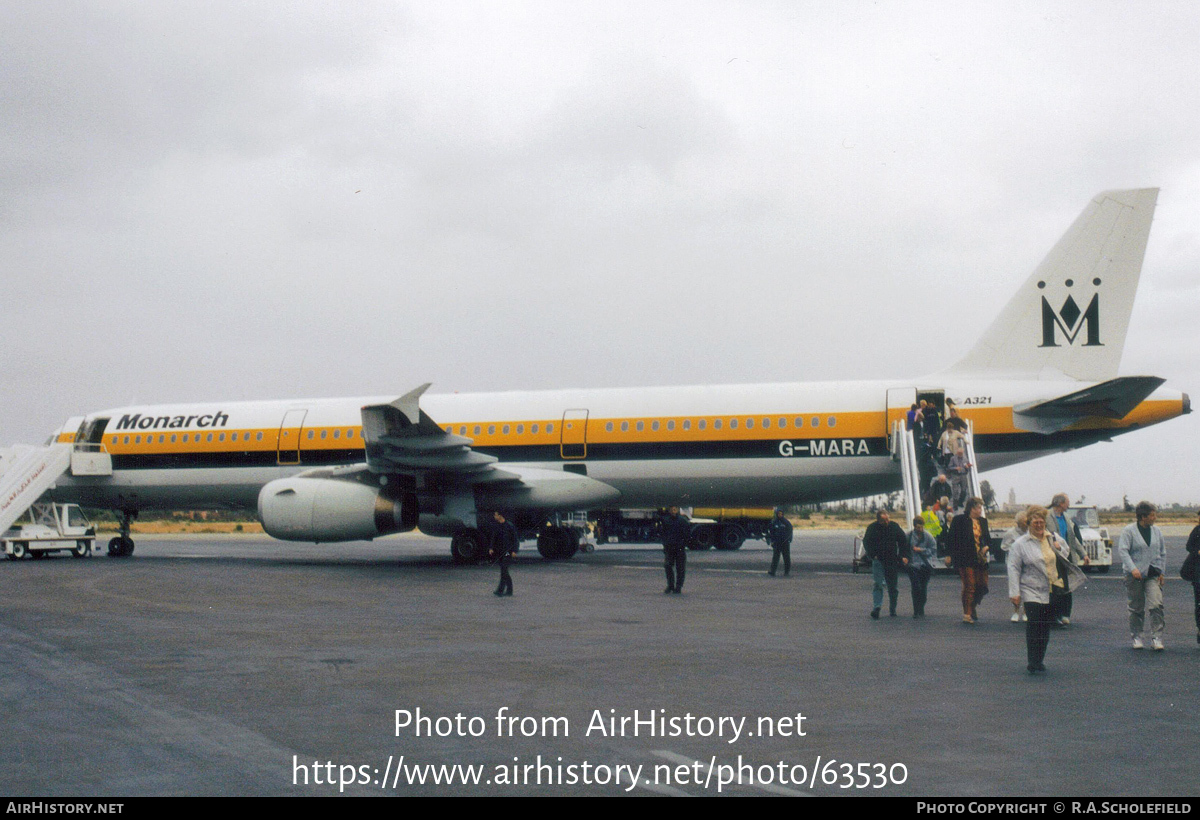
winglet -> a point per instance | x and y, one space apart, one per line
410 403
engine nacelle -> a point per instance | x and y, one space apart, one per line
322 509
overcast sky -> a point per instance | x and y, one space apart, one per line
211 200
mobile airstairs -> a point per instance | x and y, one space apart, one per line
27 473
904 451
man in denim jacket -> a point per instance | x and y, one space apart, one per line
1144 559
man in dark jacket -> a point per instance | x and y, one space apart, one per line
676 532
887 546
504 544
970 543
779 536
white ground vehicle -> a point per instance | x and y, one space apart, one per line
1095 538
47 528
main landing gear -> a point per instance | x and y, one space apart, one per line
467 546
122 545
557 543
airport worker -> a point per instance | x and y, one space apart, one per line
933 524
1144 559
1193 551
676 533
969 543
922 553
887 546
1037 566
1019 528
504 544
1065 529
779 536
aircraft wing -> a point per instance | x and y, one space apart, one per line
402 439
1113 399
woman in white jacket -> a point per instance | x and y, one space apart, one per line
1037 565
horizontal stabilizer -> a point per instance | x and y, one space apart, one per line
1113 399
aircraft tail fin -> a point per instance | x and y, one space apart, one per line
1070 317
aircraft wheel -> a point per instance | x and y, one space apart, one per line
19 550
549 545
467 547
120 547
703 536
731 537
569 543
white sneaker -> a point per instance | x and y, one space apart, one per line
1157 645
1065 621
1016 619
1137 642
1024 617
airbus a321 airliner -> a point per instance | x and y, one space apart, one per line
1042 379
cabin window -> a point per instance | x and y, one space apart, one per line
687 424
816 422
462 430
258 436
549 428
324 433
221 437
491 429
173 437
505 430
782 423
608 428
533 429
310 434
832 421
733 423
161 439
520 429
477 429
749 424
700 425
641 425
654 425
671 424
338 433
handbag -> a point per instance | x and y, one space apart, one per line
1188 571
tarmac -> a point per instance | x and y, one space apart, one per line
238 665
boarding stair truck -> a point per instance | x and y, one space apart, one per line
48 528
27 477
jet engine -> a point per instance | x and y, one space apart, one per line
322 509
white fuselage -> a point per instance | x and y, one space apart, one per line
732 445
